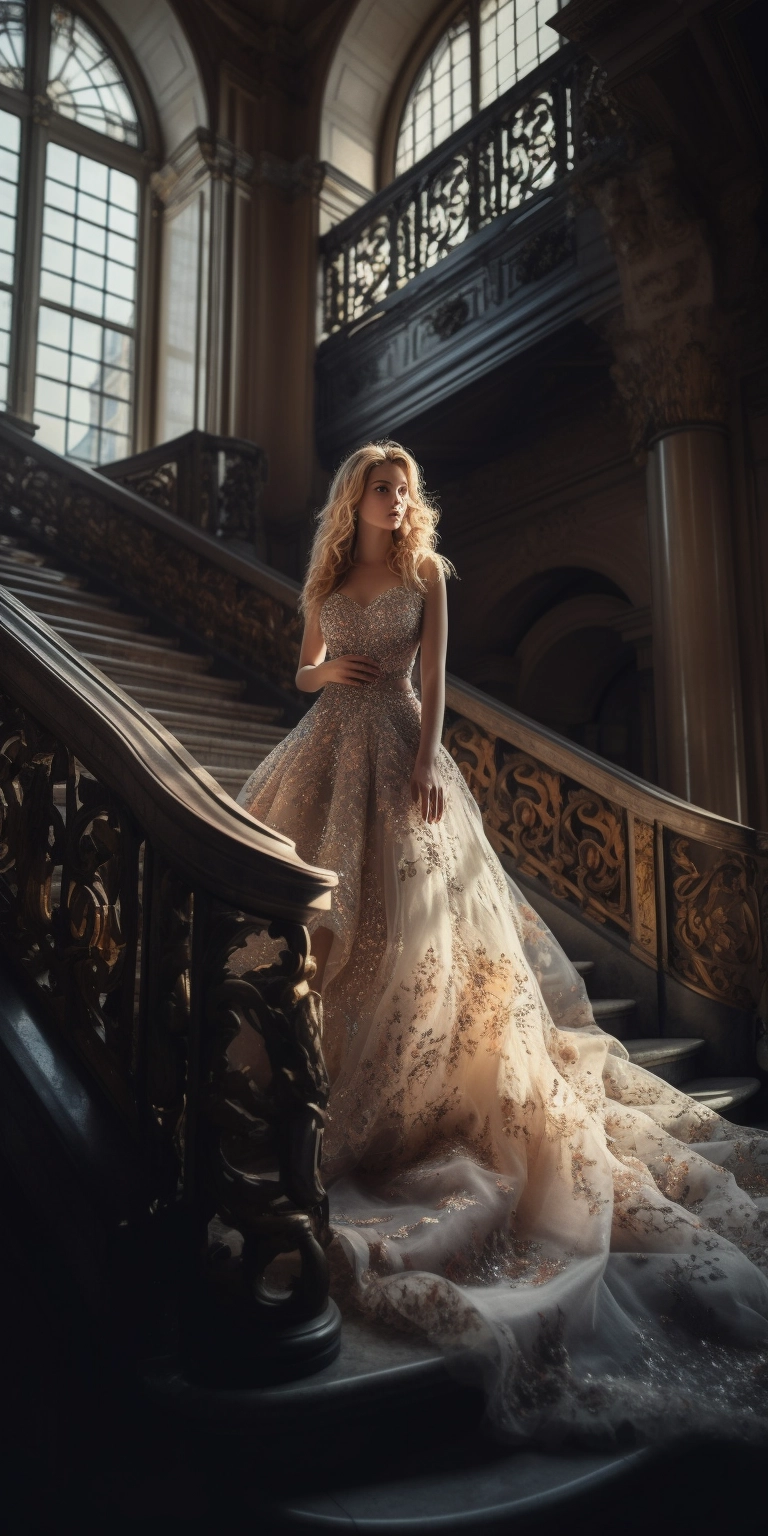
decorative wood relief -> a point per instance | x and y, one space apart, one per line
718 906
555 829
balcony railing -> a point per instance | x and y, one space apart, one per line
214 483
520 146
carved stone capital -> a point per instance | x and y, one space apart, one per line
671 343
295 178
200 158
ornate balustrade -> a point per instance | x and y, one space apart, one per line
129 885
214 483
520 146
686 889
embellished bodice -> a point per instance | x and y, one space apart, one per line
387 629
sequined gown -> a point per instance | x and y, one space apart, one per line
583 1237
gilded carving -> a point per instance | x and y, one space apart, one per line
715 920
644 886
556 830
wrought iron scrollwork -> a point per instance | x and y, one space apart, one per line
716 920
518 147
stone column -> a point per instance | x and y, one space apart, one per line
671 370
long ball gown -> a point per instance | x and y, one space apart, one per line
586 1239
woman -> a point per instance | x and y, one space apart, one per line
501 1176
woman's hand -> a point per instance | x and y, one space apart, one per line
351 670
426 789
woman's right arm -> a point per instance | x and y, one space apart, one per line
314 671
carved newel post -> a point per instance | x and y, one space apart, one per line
671 371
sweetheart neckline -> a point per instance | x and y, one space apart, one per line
363 607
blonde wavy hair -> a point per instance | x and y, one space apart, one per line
333 545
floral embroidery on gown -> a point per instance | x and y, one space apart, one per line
501 1177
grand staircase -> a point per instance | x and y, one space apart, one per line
229 735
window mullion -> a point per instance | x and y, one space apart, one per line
474 53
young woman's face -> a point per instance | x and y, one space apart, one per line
385 499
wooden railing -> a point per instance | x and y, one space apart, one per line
686 889
516 149
129 885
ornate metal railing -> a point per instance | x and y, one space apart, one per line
520 146
687 889
130 886
214 483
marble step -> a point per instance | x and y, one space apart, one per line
247 714
204 712
197 739
75 607
721 1093
614 1014
38 575
118 626
144 648
127 673
669 1059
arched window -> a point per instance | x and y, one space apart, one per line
486 49
70 230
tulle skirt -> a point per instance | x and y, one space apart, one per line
574 1232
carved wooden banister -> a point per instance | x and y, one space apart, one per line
129 885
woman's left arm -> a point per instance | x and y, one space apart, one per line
426 787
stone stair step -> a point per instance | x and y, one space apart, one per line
129 646
82 607
38 578
584 967
669 1059
247 714
113 625
721 1093
128 673
236 745
614 1014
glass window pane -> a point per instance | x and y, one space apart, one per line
82 405
57 257
89 300
5 347
434 110
85 372
58 196
13 28
51 432
5 310
53 327
93 178
7 233
124 223
60 225
91 238
96 360
514 39
84 82
7 198
3 385
51 397
86 338
120 280
57 289
89 268
123 190
91 208
120 311
53 363
61 164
